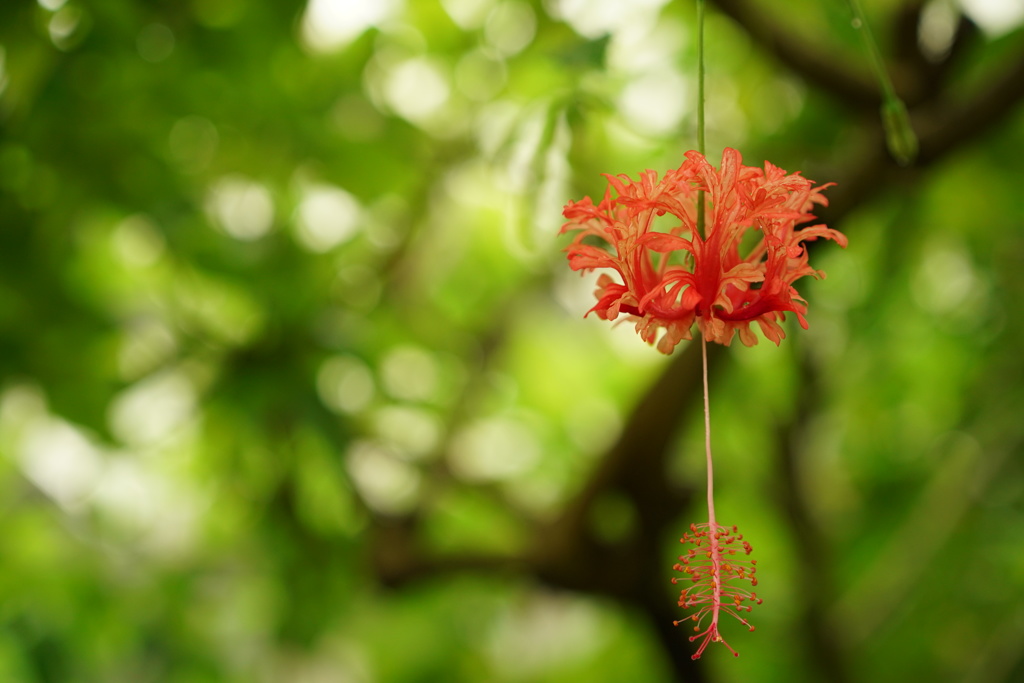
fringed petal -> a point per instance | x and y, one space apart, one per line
713 281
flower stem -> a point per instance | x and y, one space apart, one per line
700 76
700 108
899 135
874 55
712 523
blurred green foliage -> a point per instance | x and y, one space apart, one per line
294 382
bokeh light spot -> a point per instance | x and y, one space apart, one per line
654 104
493 449
510 27
329 25
416 89
410 373
243 208
537 635
152 409
345 384
413 432
936 29
468 14
946 280
63 26
595 18
995 17
326 217
138 241
387 484
61 461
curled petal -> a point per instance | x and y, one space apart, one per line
586 257
815 231
663 242
771 329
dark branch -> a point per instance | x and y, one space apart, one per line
948 126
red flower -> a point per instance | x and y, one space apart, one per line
672 278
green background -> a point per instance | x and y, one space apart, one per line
295 383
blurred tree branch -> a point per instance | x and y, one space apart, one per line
954 120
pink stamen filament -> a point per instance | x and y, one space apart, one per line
716 596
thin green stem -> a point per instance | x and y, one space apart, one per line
899 134
860 23
700 76
700 108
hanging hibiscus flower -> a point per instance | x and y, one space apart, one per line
722 278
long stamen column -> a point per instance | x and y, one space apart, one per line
717 565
